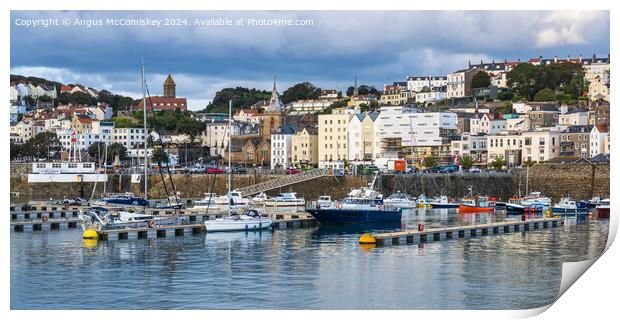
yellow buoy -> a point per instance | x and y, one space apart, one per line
89 243
367 238
90 234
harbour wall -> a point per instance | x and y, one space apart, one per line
580 181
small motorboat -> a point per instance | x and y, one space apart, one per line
536 199
287 199
246 220
209 201
123 199
423 202
567 206
259 198
233 198
400 200
443 202
473 205
602 209
594 202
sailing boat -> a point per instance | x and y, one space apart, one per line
245 219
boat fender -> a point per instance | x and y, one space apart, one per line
338 205
151 224
318 206
381 207
420 227
44 218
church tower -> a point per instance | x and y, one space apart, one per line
170 88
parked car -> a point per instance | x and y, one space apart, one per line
293 171
239 170
474 170
370 170
215 170
449 169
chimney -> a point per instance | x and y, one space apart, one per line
469 63
555 59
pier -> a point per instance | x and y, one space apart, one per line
155 232
422 235
40 225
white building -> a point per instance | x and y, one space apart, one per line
599 139
489 124
505 145
310 105
474 146
215 136
281 148
419 83
437 94
411 127
575 118
540 145
361 136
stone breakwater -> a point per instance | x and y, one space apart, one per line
580 181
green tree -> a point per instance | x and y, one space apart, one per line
191 127
545 94
16 151
159 156
498 163
81 98
97 150
430 162
526 79
505 95
362 90
466 162
505 108
480 80
300 91
42 146
528 163
241 97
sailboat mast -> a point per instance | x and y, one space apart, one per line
229 149
527 179
146 187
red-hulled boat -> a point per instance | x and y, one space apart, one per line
602 209
473 205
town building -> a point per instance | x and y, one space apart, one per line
491 124
542 115
540 145
422 83
168 101
281 147
575 141
474 146
599 140
332 134
505 145
361 136
305 147
404 132
598 89
459 83
431 95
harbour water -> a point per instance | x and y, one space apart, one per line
310 268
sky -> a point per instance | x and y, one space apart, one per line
104 49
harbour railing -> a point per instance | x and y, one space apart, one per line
283 181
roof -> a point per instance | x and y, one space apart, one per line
287 129
249 111
65 88
602 128
579 129
567 159
310 130
169 81
426 78
373 115
601 158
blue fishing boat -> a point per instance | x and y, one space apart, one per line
567 206
363 205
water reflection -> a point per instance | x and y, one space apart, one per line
312 268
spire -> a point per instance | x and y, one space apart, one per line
170 88
355 86
275 105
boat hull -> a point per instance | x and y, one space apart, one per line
344 216
285 204
237 225
138 202
560 211
602 213
473 209
397 204
444 205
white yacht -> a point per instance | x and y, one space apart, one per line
287 199
247 220
400 200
